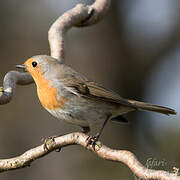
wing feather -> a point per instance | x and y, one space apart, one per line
88 89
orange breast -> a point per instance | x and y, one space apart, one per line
48 95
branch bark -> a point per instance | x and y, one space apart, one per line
101 150
9 84
81 15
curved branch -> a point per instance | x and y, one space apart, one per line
101 150
81 15
9 84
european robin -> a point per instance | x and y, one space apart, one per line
71 97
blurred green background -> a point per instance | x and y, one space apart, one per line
134 51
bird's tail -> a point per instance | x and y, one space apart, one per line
152 107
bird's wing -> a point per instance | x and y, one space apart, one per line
88 89
99 92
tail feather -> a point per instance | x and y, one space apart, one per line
152 107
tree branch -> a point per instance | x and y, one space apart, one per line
9 84
81 15
101 150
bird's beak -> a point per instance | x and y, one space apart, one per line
22 66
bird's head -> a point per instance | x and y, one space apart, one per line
39 65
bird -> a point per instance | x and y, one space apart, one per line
70 96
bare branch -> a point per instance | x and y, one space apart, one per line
9 85
101 150
81 15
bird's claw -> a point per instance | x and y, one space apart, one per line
91 140
48 142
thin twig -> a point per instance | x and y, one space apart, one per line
101 150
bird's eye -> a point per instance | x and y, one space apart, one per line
34 64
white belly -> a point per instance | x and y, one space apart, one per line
67 117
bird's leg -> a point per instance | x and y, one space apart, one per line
91 140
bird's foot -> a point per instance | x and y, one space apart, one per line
91 140
48 142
